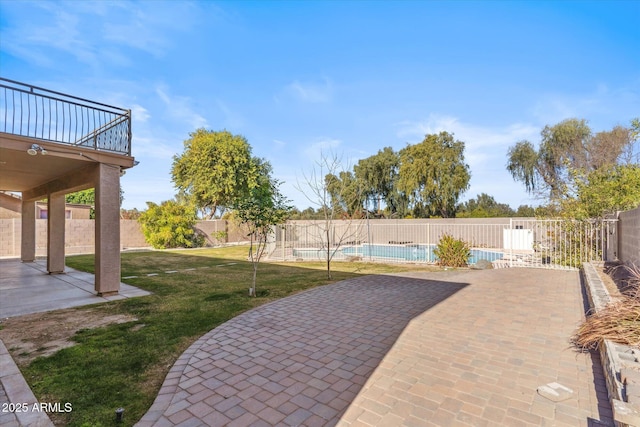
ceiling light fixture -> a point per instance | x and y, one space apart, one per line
35 148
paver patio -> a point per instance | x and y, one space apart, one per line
456 348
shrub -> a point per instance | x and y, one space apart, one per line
452 252
170 225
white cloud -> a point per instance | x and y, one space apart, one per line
144 28
179 107
485 152
480 136
139 190
311 92
139 113
92 32
52 27
322 147
232 119
146 145
611 105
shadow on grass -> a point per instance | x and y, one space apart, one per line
348 327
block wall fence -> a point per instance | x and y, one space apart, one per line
80 235
629 237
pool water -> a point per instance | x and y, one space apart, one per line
414 253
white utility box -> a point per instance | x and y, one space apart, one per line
517 239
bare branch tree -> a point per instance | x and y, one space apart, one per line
323 190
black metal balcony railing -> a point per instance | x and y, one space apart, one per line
56 117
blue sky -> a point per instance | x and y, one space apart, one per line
298 78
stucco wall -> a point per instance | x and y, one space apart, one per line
10 206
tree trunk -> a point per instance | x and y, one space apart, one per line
255 273
328 255
252 290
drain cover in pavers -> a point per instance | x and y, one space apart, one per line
555 392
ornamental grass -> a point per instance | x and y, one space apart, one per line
618 322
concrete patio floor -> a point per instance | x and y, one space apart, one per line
27 288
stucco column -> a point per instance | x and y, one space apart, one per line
55 233
28 240
107 229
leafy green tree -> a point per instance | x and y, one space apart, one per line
523 164
604 191
260 210
568 145
346 193
635 128
170 225
87 197
525 211
378 175
484 206
308 213
84 197
215 169
433 175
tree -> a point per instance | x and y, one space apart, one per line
215 169
525 211
523 164
603 191
87 197
346 193
84 197
484 206
568 145
378 175
635 128
324 193
260 210
170 225
433 175
130 213
308 213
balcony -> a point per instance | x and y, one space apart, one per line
42 114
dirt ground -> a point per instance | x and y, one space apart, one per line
42 334
607 274
621 278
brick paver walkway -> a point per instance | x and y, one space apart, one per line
464 348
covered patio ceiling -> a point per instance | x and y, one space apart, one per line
21 171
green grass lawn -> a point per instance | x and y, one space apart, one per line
124 365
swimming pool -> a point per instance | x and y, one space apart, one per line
411 253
